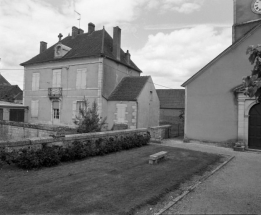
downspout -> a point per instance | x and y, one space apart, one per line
137 115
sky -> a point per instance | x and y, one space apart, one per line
169 40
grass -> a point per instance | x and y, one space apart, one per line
118 183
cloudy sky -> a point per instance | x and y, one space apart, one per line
168 39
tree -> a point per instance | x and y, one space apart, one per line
88 119
252 83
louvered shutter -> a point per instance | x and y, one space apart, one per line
74 110
78 79
83 79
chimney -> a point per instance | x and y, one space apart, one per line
80 31
43 46
127 56
91 28
74 31
117 42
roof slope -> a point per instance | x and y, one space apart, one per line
3 81
129 88
83 45
171 98
8 93
222 54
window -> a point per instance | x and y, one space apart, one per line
57 78
34 108
81 79
121 108
1 114
76 108
16 115
35 81
56 111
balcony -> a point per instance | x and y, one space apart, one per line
55 92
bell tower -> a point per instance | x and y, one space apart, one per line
247 15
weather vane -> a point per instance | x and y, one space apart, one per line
79 17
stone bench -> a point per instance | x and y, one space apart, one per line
156 157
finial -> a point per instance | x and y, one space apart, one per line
60 36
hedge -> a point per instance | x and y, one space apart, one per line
29 158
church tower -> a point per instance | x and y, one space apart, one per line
247 15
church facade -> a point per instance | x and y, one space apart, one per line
216 110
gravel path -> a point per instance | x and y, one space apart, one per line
235 189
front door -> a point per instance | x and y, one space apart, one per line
56 113
254 138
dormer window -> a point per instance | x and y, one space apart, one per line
60 50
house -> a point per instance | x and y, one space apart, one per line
10 93
81 66
172 105
11 108
10 111
134 102
215 109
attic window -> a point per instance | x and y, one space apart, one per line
60 50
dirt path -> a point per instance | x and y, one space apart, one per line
235 189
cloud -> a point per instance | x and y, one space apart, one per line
23 24
181 6
173 58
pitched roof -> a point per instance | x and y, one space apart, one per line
129 88
8 93
3 81
83 45
171 98
250 32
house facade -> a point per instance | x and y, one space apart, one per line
81 66
216 110
134 102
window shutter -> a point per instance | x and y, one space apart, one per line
84 76
57 78
34 108
74 109
35 81
78 79
121 113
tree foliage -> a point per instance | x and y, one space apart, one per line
252 83
88 119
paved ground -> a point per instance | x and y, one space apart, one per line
235 189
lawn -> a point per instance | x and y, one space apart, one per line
113 184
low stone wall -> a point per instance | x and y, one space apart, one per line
157 133
17 130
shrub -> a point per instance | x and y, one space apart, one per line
51 156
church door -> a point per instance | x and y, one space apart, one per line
254 138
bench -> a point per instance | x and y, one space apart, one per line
156 157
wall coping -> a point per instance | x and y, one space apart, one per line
161 126
37 126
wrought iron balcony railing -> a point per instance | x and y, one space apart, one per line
55 92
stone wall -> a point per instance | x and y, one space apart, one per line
17 130
157 133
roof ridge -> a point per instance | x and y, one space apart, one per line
221 54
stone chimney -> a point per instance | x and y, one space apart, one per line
91 28
127 56
75 31
116 49
80 31
43 46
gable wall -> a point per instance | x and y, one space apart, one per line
148 110
112 74
211 108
